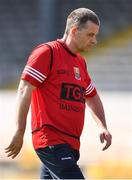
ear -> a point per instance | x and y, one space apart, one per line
73 30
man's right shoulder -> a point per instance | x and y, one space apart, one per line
44 46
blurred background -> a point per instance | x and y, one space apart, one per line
26 23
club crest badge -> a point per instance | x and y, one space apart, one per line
77 73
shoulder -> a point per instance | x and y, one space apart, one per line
38 52
42 50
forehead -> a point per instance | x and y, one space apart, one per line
91 27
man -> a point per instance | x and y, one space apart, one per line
56 83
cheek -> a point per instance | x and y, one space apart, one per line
85 40
88 39
82 41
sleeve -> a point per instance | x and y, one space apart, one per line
38 66
90 90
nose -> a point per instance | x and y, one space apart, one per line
94 41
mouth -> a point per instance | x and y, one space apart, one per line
90 46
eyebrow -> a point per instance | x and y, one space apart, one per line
92 34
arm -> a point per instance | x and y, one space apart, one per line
97 110
22 107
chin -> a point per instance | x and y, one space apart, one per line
88 49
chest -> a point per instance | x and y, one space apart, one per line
68 69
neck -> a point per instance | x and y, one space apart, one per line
70 43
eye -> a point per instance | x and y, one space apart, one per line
91 34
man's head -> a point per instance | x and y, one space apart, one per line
82 26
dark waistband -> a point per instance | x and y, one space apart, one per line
50 126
